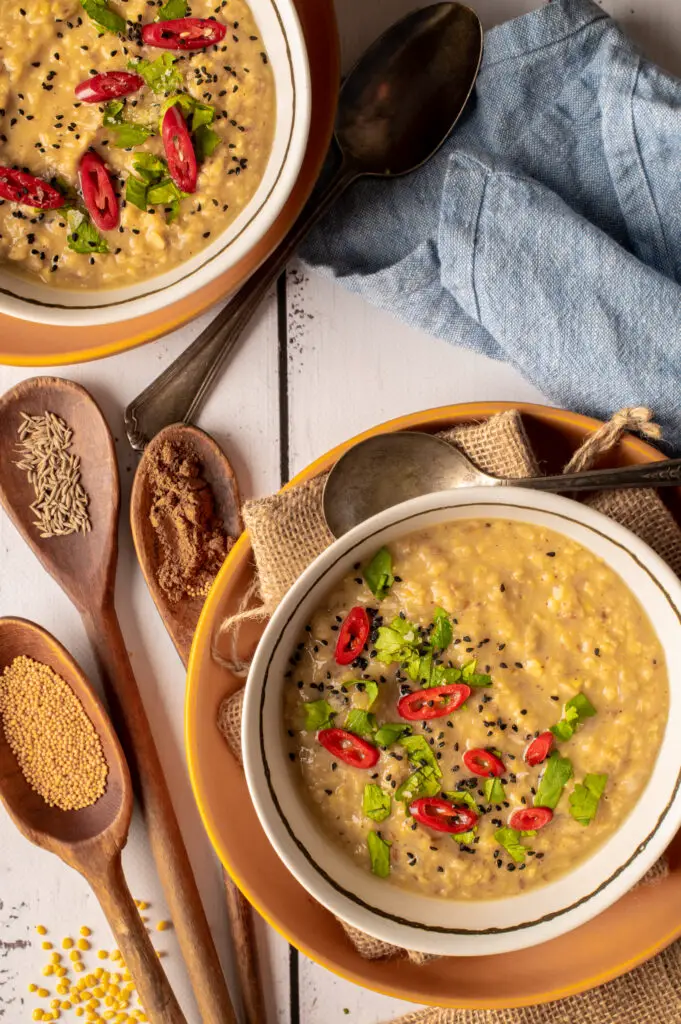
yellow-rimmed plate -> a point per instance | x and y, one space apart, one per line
634 929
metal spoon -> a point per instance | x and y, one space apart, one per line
395 110
391 468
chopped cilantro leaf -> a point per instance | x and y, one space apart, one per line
362 723
375 802
472 678
106 19
379 854
494 791
173 9
557 773
367 692
160 74
585 798
462 796
423 782
136 192
378 574
318 715
83 236
509 838
442 634
391 732
420 753
576 710
206 141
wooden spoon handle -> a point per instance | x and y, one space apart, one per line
158 999
167 845
246 952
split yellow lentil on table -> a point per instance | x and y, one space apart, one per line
83 943
67 943
163 926
55 743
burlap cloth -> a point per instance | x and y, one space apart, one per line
288 531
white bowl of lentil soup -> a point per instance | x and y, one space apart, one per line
460 725
145 148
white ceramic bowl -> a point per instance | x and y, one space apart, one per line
422 923
283 40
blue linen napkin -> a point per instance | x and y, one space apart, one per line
547 231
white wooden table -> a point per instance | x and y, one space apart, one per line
286 398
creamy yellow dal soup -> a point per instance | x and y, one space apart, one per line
49 47
495 716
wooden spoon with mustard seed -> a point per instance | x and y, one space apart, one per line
84 565
90 839
180 619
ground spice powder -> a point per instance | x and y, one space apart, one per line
55 743
192 542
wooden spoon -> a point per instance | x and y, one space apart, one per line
180 619
89 840
84 565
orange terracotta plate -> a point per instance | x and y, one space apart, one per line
27 344
631 931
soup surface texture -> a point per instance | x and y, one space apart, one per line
561 695
49 47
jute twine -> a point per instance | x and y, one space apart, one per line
288 531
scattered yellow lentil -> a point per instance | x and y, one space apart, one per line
37 1015
48 969
102 954
43 993
163 926
47 945
41 929
85 931
83 943
74 955
55 958
67 943
55 743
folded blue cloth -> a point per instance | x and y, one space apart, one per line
547 231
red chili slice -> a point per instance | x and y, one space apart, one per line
433 703
179 150
184 33
349 748
19 187
443 816
483 762
108 86
539 749
98 191
353 635
526 819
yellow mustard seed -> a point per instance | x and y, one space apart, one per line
55 743
67 943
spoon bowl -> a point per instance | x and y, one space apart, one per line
181 617
69 834
407 91
390 468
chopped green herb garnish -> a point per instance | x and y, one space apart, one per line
161 75
367 692
472 678
378 574
420 753
173 9
442 633
318 715
509 838
577 709
391 732
362 723
585 798
494 791
557 773
165 192
423 782
206 141
83 236
128 134
379 852
375 802
149 167
462 796
136 192
465 838
106 19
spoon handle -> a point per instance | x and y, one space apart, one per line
178 393
167 845
666 473
109 886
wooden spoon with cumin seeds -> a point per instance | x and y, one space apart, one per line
180 619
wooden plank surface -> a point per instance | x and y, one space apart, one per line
292 390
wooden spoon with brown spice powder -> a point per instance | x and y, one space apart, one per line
185 515
51 718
